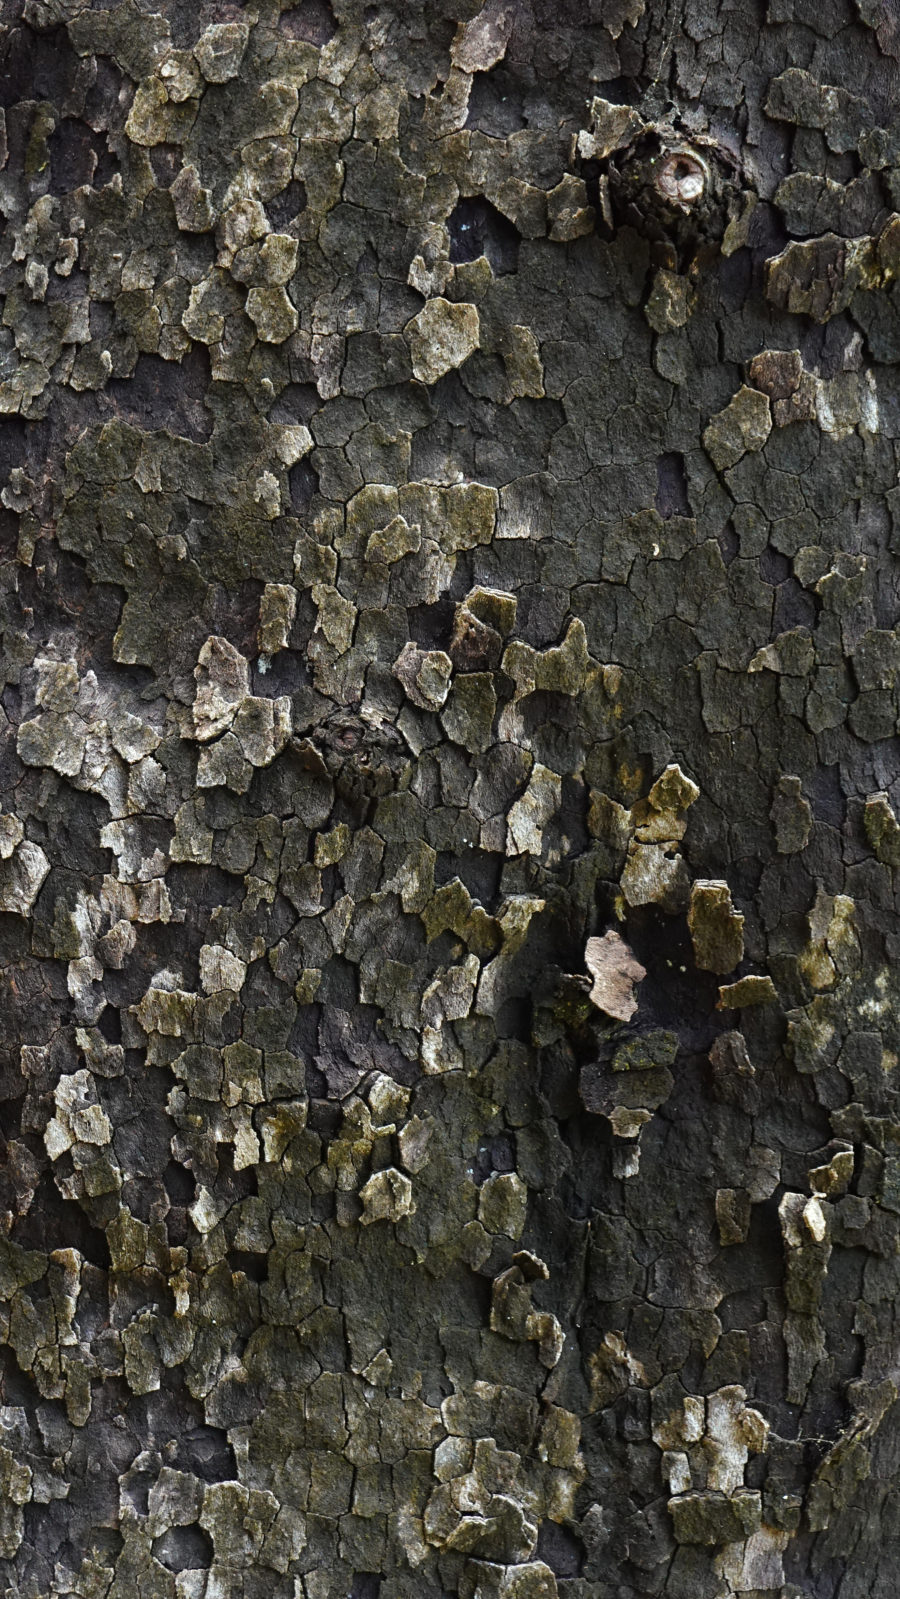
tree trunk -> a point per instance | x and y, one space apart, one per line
449 793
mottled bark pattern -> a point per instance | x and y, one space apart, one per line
449 795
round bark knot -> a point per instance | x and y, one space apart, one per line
682 178
680 192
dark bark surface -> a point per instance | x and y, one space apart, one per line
449 777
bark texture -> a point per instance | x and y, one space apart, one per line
449 787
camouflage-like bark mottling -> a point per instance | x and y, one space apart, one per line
449 794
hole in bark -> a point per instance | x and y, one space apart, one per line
303 483
297 402
161 394
11 701
561 1549
767 233
735 279
672 486
206 1452
37 66
430 625
137 1491
57 1223
19 1387
165 159
822 788
794 606
179 1184
234 1184
729 543
674 994
10 1122
78 156
514 1018
177 1226
9 534
15 437
286 673
110 1025
773 566
477 228
619 91
252 1265
142 1194
844 167
316 1088
365 1586
286 206
496 1156
104 1545
184 1549
324 1116
312 20
495 103
479 870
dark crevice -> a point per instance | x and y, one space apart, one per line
672 497
674 994
561 1548
729 543
365 1586
495 103
163 394
285 208
79 156
166 161
477 228
303 485
495 1157
57 1223
254 1267
795 606
179 1183
184 1549
36 66
297 402
773 566
311 20
206 1452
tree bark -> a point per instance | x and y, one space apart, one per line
448 799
